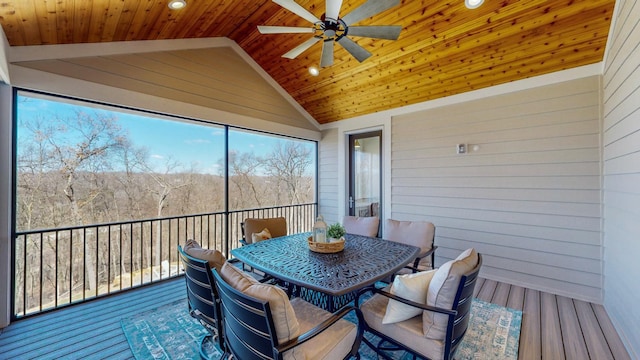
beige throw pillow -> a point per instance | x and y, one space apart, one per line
284 317
442 292
214 257
262 235
237 278
411 287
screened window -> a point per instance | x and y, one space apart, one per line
81 163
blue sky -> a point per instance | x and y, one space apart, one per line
181 141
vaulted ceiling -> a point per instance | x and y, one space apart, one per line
443 49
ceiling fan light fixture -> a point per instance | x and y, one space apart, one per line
176 4
472 4
314 71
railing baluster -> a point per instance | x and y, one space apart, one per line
151 255
131 256
41 269
170 252
161 255
121 263
97 259
56 274
109 259
24 276
70 266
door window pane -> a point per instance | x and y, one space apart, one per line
366 176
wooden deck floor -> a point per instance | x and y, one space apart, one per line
553 327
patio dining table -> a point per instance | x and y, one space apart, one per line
327 280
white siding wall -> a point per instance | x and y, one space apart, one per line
528 198
328 176
621 143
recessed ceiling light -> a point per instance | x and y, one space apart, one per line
472 4
177 4
314 71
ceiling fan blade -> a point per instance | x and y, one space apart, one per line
358 52
297 9
389 32
369 9
293 53
284 29
332 9
327 53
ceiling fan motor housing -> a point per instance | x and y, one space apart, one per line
330 29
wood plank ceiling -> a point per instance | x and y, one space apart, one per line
443 49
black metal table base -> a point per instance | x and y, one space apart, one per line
325 301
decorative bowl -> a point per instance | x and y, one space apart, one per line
334 246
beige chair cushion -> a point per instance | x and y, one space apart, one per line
408 332
333 343
411 287
365 226
237 278
284 318
277 227
213 257
265 234
416 233
442 291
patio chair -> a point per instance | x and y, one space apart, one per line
275 227
416 233
202 296
358 225
260 322
256 229
426 313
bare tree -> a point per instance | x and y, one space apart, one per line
243 170
287 164
84 152
165 184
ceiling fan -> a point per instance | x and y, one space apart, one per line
333 29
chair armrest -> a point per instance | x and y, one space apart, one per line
420 257
310 334
415 304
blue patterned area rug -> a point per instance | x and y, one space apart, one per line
169 332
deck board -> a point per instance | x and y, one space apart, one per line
552 347
476 289
501 294
530 344
516 298
593 336
574 344
550 324
615 343
488 288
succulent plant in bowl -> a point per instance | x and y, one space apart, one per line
335 231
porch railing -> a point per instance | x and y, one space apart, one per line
54 268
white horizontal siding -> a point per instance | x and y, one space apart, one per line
529 197
621 144
328 176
